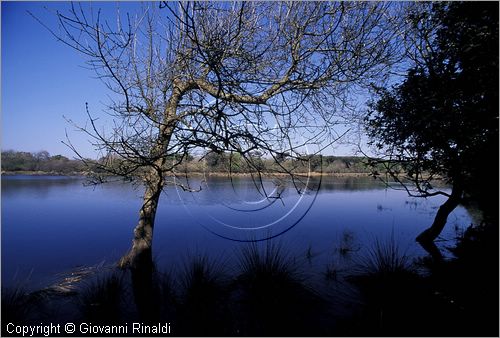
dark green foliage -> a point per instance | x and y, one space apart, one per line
334 164
443 118
223 162
40 161
12 161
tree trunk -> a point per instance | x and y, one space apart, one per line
140 255
430 234
432 250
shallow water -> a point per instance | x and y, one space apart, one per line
52 224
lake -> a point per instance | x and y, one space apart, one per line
52 224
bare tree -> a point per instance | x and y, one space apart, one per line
238 77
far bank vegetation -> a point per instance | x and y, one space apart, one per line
211 162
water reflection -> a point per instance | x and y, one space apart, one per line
52 224
221 190
38 186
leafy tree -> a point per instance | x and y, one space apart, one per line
15 161
442 120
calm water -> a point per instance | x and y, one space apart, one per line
53 224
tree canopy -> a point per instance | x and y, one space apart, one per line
442 120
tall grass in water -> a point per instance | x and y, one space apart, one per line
271 296
101 301
384 259
202 307
264 295
116 297
391 290
20 306
166 293
268 263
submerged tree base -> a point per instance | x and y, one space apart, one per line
135 260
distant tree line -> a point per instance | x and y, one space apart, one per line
39 161
211 162
227 162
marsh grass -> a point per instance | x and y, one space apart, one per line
22 306
347 244
115 297
203 297
392 292
167 295
331 272
269 262
267 292
384 259
271 294
310 254
101 301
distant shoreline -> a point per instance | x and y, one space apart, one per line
215 174
40 173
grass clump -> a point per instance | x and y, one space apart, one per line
271 294
393 295
21 306
385 259
101 301
203 298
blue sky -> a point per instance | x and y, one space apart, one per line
44 80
